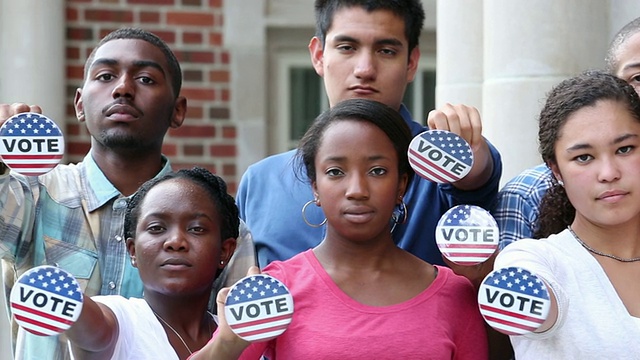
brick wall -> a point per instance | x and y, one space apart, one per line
193 29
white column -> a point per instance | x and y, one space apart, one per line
622 12
32 44
529 46
32 70
460 51
247 46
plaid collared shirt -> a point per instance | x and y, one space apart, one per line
71 217
518 205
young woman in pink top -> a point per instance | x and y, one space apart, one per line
357 295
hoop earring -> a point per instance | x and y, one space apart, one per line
304 216
404 211
401 211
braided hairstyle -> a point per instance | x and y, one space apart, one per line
213 184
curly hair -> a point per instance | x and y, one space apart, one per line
213 184
556 213
569 96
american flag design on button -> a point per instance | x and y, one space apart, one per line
440 156
467 235
514 301
46 300
31 144
259 308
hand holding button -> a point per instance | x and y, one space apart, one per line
46 300
31 144
258 308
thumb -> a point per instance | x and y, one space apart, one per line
253 270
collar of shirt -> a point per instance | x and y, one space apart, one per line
102 190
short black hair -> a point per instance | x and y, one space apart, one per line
611 59
411 11
129 33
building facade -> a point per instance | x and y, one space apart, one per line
250 85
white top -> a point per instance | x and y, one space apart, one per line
593 323
141 334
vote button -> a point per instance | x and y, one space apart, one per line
31 144
467 235
514 301
46 300
258 308
440 156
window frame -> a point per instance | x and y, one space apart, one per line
281 122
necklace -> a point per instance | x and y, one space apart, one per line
175 332
584 245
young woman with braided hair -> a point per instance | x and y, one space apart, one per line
181 231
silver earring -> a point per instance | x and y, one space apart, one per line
133 261
561 183
221 262
304 216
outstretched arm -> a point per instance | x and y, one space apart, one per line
94 334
